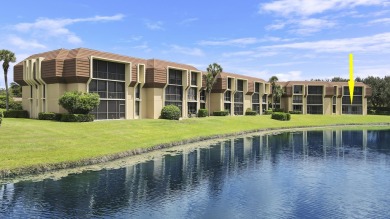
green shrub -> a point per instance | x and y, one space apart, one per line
250 113
281 116
46 116
268 112
295 112
221 113
202 112
1 116
79 103
16 114
77 117
58 116
170 112
13 105
278 110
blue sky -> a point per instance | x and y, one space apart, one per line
293 39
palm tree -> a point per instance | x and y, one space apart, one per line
6 56
278 92
273 81
211 77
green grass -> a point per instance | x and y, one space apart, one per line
27 142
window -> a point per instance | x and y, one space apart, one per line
192 108
228 96
264 98
314 99
31 91
239 97
138 91
255 98
175 76
108 82
297 99
314 109
356 106
239 109
193 78
202 96
257 87
174 91
227 107
108 70
203 105
316 90
298 89
44 91
137 103
192 94
297 108
229 83
240 85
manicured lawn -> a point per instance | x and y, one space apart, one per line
28 142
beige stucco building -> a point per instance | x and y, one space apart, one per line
134 88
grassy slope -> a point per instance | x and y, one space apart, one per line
26 142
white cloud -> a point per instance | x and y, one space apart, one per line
25 44
380 21
283 64
276 26
377 71
374 43
240 41
312 25
250 53
45 27
154 25
188 20
311 7
186 50
290 76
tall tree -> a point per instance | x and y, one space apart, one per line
6 56
210 78
273 81
278 92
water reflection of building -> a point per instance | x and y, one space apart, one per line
146 184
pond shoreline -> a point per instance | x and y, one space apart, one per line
42 169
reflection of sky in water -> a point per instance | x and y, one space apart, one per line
304 174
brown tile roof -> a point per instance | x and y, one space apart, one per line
157 63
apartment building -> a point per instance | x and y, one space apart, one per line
135 88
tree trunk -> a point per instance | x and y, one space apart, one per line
272 102
6 90
209 101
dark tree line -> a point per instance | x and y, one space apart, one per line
380 89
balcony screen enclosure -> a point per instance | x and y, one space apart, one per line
109 82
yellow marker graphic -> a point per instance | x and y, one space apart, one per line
351 81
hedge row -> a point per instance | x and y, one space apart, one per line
16 114
250 113
202 112
268 112
295 112
281 116
77 117
46 116
378 112
221 113
65 117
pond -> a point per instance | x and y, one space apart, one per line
328 173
